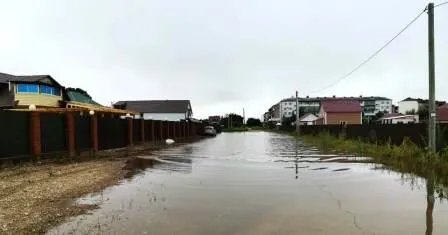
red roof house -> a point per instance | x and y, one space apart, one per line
442 114
340 111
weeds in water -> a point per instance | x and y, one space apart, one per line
407 157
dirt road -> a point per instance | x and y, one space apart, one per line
34 198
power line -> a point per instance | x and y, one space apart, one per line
373 55
441 4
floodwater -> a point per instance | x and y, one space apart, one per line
257 183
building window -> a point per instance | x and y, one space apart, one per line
49 90
27 88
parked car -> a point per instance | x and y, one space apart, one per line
209 131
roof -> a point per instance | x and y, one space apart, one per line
80 96
341 106
5 78
399 116
155 106
423 101
390 115
318 99
309 117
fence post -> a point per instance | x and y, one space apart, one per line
70 133
142 130
94 133
35 135
130 130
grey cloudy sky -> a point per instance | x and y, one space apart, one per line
223 55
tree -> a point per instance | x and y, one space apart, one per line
411 112
252 122
289 121
235 121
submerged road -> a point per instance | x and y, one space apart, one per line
259 183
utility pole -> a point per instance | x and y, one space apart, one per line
432 105
297 114
244 118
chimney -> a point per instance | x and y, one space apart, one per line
334 96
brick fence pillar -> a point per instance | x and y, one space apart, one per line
70 133
94 132
35 135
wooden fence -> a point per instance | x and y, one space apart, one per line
36 134
380 133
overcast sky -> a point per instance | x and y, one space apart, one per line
223 55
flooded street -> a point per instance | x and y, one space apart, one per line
257 183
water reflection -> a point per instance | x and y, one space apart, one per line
429 202
249 184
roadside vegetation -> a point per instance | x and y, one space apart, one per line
406 158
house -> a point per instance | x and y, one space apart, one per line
170 110
372 105
414 105
274 113
23 91
214 119
442 114
340 111
397 118
308 119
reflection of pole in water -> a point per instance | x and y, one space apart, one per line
429 203
297 159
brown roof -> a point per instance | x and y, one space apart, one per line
155 106
341 106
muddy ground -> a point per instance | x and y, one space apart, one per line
34 198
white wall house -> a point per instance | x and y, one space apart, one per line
308 119
408 105
399 118
165 110
288 106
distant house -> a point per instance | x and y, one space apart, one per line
340 111
23 91
214 119
397 118
308 119
442 114
170 110
415 104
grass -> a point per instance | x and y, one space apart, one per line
406 158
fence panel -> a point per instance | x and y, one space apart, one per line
14 134
148 130
112 132
136 124
82 133
52 132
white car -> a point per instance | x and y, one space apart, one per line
209 131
